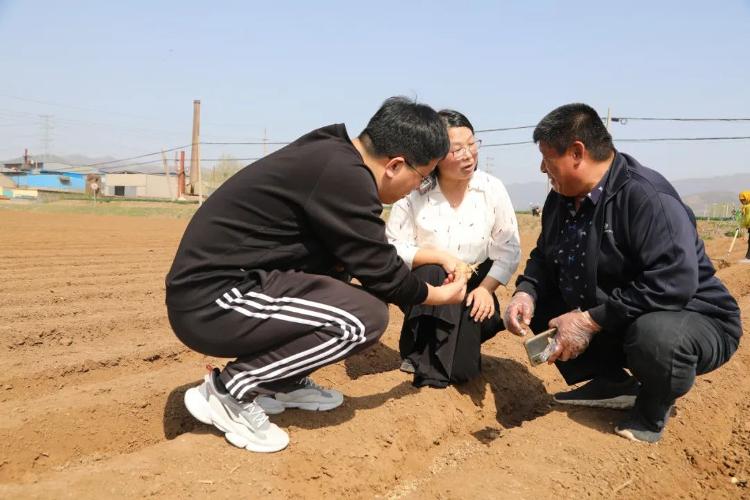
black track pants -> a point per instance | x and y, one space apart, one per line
281 326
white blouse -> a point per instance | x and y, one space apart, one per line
483 226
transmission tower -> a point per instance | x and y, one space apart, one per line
47 128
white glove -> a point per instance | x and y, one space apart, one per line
574 332
518 314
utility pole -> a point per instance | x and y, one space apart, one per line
47 129
609 118
181 177
195 153
166 174
265 138
488 163
177 172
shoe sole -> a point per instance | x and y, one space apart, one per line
618 403
407 367
311 406
205 413
628 434
300 405
273 407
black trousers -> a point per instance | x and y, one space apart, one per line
443 342
281 326
664 350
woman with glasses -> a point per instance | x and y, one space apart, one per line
461 215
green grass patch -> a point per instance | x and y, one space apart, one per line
128 208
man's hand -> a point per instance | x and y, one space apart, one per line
574 332
519 312
481 303
449 293
450 263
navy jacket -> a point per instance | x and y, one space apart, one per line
643 252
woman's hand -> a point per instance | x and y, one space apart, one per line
481 302
449 293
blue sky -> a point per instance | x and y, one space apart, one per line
119 78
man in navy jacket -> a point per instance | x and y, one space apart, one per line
620 271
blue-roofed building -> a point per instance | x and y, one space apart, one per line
58 181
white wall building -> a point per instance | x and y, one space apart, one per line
139 185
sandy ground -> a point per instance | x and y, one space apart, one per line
92 380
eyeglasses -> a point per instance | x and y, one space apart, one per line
468 150
428 181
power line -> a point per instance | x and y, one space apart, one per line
145 155
661 139
506 144
624 119
500 144
504 129
158 162
245 143
649 139
136 157
207 139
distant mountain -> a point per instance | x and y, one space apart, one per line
702 195
726 183
72 162
712 203
524 194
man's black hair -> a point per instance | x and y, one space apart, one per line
453 118
402 127
575 122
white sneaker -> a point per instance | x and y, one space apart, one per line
307 396
270 405
244 424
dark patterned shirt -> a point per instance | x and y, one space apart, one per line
570 248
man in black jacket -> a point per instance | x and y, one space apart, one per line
262 271
621 273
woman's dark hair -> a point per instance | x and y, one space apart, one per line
402 127
453 118
575 122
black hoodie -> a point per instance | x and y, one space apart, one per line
311 206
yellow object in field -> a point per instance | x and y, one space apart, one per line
745 215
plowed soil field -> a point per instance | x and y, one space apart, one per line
92 381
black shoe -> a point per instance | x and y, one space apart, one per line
602 393
407 366
633 427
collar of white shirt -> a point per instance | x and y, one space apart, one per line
478 182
